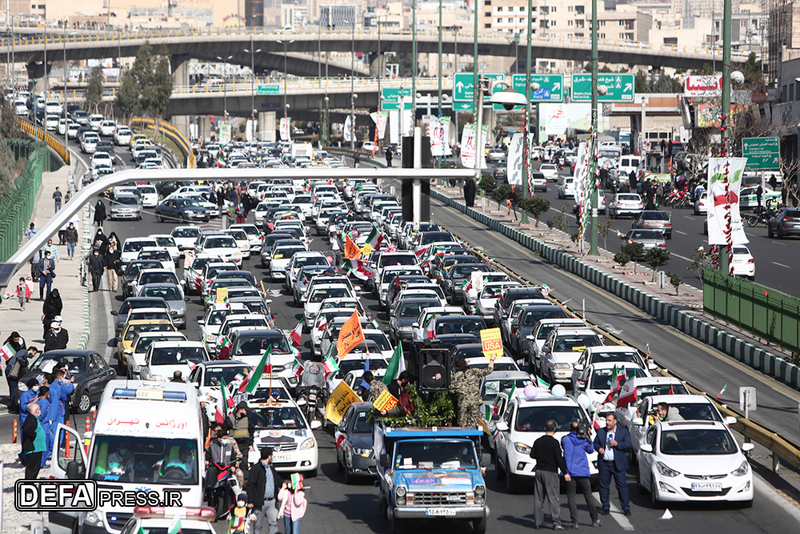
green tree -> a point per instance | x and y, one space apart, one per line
655 258
161 88
674 280
94 89
640 82
127 101
8 171
705 70
753 75
603 227
487 184
634 251
8 125
622 258
535 206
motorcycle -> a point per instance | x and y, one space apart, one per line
223 491
310 400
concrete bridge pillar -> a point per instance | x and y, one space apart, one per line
180 69
204 127
377 65
181 122
267 124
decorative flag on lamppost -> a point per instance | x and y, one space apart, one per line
380 118
348 130
724 202
439 131
286 130
468 147
515 155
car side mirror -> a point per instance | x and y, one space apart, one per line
486 459
201 322
74 470
415 324
730 420
316 424
646 447
747 447
502 426
579 367
186 299
116 340
386 462
529 338
651 366
114 312
495 417
638 421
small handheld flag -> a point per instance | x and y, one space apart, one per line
722 391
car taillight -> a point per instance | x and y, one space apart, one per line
662 245
751 260
786 219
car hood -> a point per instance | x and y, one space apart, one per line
176 305
166 371
405 321
565 357
424 480
703 464
274 437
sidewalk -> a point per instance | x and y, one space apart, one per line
74 296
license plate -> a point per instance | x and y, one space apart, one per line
440 511
281 457
707 486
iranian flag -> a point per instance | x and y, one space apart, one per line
323 323
221 162
243 382
429 331
627 394
359 268
374 241
227 403
7 351
467 285
297 368
262 367
224 347
176 525
329 363
396 365
617 378
596 421
422 250
296 334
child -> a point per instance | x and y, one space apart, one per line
293 503
239 517
23 292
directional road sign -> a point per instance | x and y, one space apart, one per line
551 87
762 153
620 87
269 89
463 89
392 97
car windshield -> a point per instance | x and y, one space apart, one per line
257 345
413 309
695 411
691 442
492 387
311 260
135 304
278 417
177 355
186 203
236 323
647 234
166 293
147 189
460 326
157 278
142 459
272 238
361 424
464 270
628 197
434 455
643 391
220 242
165 241
534 316
655 216
76 363
575 342
136 246
601 378
130 334
286 252
328 293
388 261
604 356
354 364
143 343
238 235
151 315
434 237
154 255
215 375
533 418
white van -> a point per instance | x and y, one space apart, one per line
628 164
153 423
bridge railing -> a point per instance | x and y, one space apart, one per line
311 32
42 134
171 132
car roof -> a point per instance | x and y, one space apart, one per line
685 399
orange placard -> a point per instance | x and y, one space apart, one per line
351 250
385 401
350 335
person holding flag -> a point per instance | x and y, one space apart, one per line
241 427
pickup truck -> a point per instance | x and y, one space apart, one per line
431 473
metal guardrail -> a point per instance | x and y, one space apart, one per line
43 135
781 447
171 132
71 36
16 208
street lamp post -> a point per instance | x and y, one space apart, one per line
353 121
526 158
593 174
439 71
414 63
508 98
253 80
225 86
285 75
352 82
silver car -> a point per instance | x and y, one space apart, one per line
126 207
649 238
625 204
173 295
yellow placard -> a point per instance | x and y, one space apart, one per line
385 401
222 295
492 342
341 399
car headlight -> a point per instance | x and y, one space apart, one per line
522 448
480 495
292 380
665 470
405 329
400 495
741 470
364 453
562 366
94 519
307 444
137 368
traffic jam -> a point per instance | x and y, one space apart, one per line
429 368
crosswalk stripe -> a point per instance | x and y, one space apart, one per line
616 514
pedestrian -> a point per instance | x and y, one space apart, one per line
51 308
34 442
99 213
53 250
663 146
376 386
577 444
57 338
773 182
113 264
549 459
96 266
356 162
57 197
389 155
241 427
67 196
759 193
31 231
16 368
612 444
44 400
23 293
400 390
71 237
222 451
15 341
100 241
112 238
469 192
46 268
293 503
466 385
263 487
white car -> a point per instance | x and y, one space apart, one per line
211 322
163 358
288 433
132 247
166 241
196 519
561 351
208 377
89 143
520 423
313 301
51 123
743 263
222 246
694 461
186 236
550 171
102 159
595 380
280 258
540 334
645 387
20 108
54 108
95 121
242 241
254 235
567 188
72 130
122 136
63 124
701 204
149 195
107 128
625 204
619 354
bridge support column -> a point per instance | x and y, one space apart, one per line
267 124
204 127
180 69
181 122
376 66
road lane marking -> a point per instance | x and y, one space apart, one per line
781 265
776 497
616 514
690 218
682 233
681 257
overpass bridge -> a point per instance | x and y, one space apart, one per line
209 43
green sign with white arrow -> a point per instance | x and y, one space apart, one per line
392 96
762 153
551 87
619 87
463 90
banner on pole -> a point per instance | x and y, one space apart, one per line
285 129
380 118
515 155
720 201
347 133
439 132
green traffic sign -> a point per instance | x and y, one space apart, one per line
620 87
271 89
762 153
462 106
392 97
551 87
463 90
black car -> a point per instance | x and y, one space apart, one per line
785 222
181 209
106 146
167 188
90 369
354 455
511 294
405 314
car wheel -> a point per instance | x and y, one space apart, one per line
348 476
654 502
512 485
499 472
780 234
339 466
85 403
639 486
770 233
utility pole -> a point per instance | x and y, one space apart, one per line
66 92
414 63
477 104
725 250
46 79
526 152
593 175
439 71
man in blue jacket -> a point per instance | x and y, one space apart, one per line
612 444
577 444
